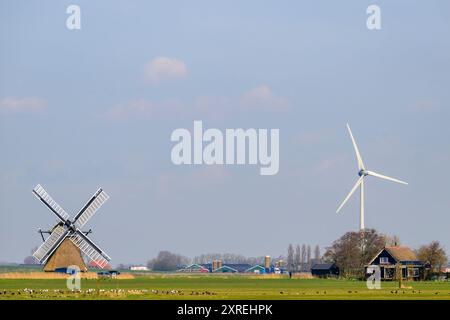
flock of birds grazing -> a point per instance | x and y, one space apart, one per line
46 293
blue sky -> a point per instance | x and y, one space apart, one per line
81 109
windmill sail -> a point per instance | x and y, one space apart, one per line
90 249
42 195
53 241
90 208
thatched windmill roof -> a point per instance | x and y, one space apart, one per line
66 255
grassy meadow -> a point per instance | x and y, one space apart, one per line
164 286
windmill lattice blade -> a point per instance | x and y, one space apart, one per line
355 146
90 249
42 195
350 193
46 249
371 173
90 208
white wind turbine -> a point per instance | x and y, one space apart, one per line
360 183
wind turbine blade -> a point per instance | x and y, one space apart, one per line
371 173
355 146
350 193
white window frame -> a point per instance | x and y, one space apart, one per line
384 260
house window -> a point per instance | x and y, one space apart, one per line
415 272
384 260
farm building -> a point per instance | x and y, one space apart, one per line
325 270
239 267
194 268
139 268
256 269
225 269
389 259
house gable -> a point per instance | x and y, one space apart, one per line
394 255
383 258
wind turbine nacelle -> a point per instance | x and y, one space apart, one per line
362 173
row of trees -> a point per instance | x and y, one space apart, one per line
300 259
227 258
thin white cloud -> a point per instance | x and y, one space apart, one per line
21 104
161 69
210 107
426 106
143 108
263 97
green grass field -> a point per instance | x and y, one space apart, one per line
218 287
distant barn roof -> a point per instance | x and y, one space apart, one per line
240 267
191 267
225 268
322 266
255 267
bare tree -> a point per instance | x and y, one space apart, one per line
290 257
308 257
303 258
30 259
297 257
167 261
354 250
317 254
434 254
391 241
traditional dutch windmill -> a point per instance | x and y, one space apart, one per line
66 242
